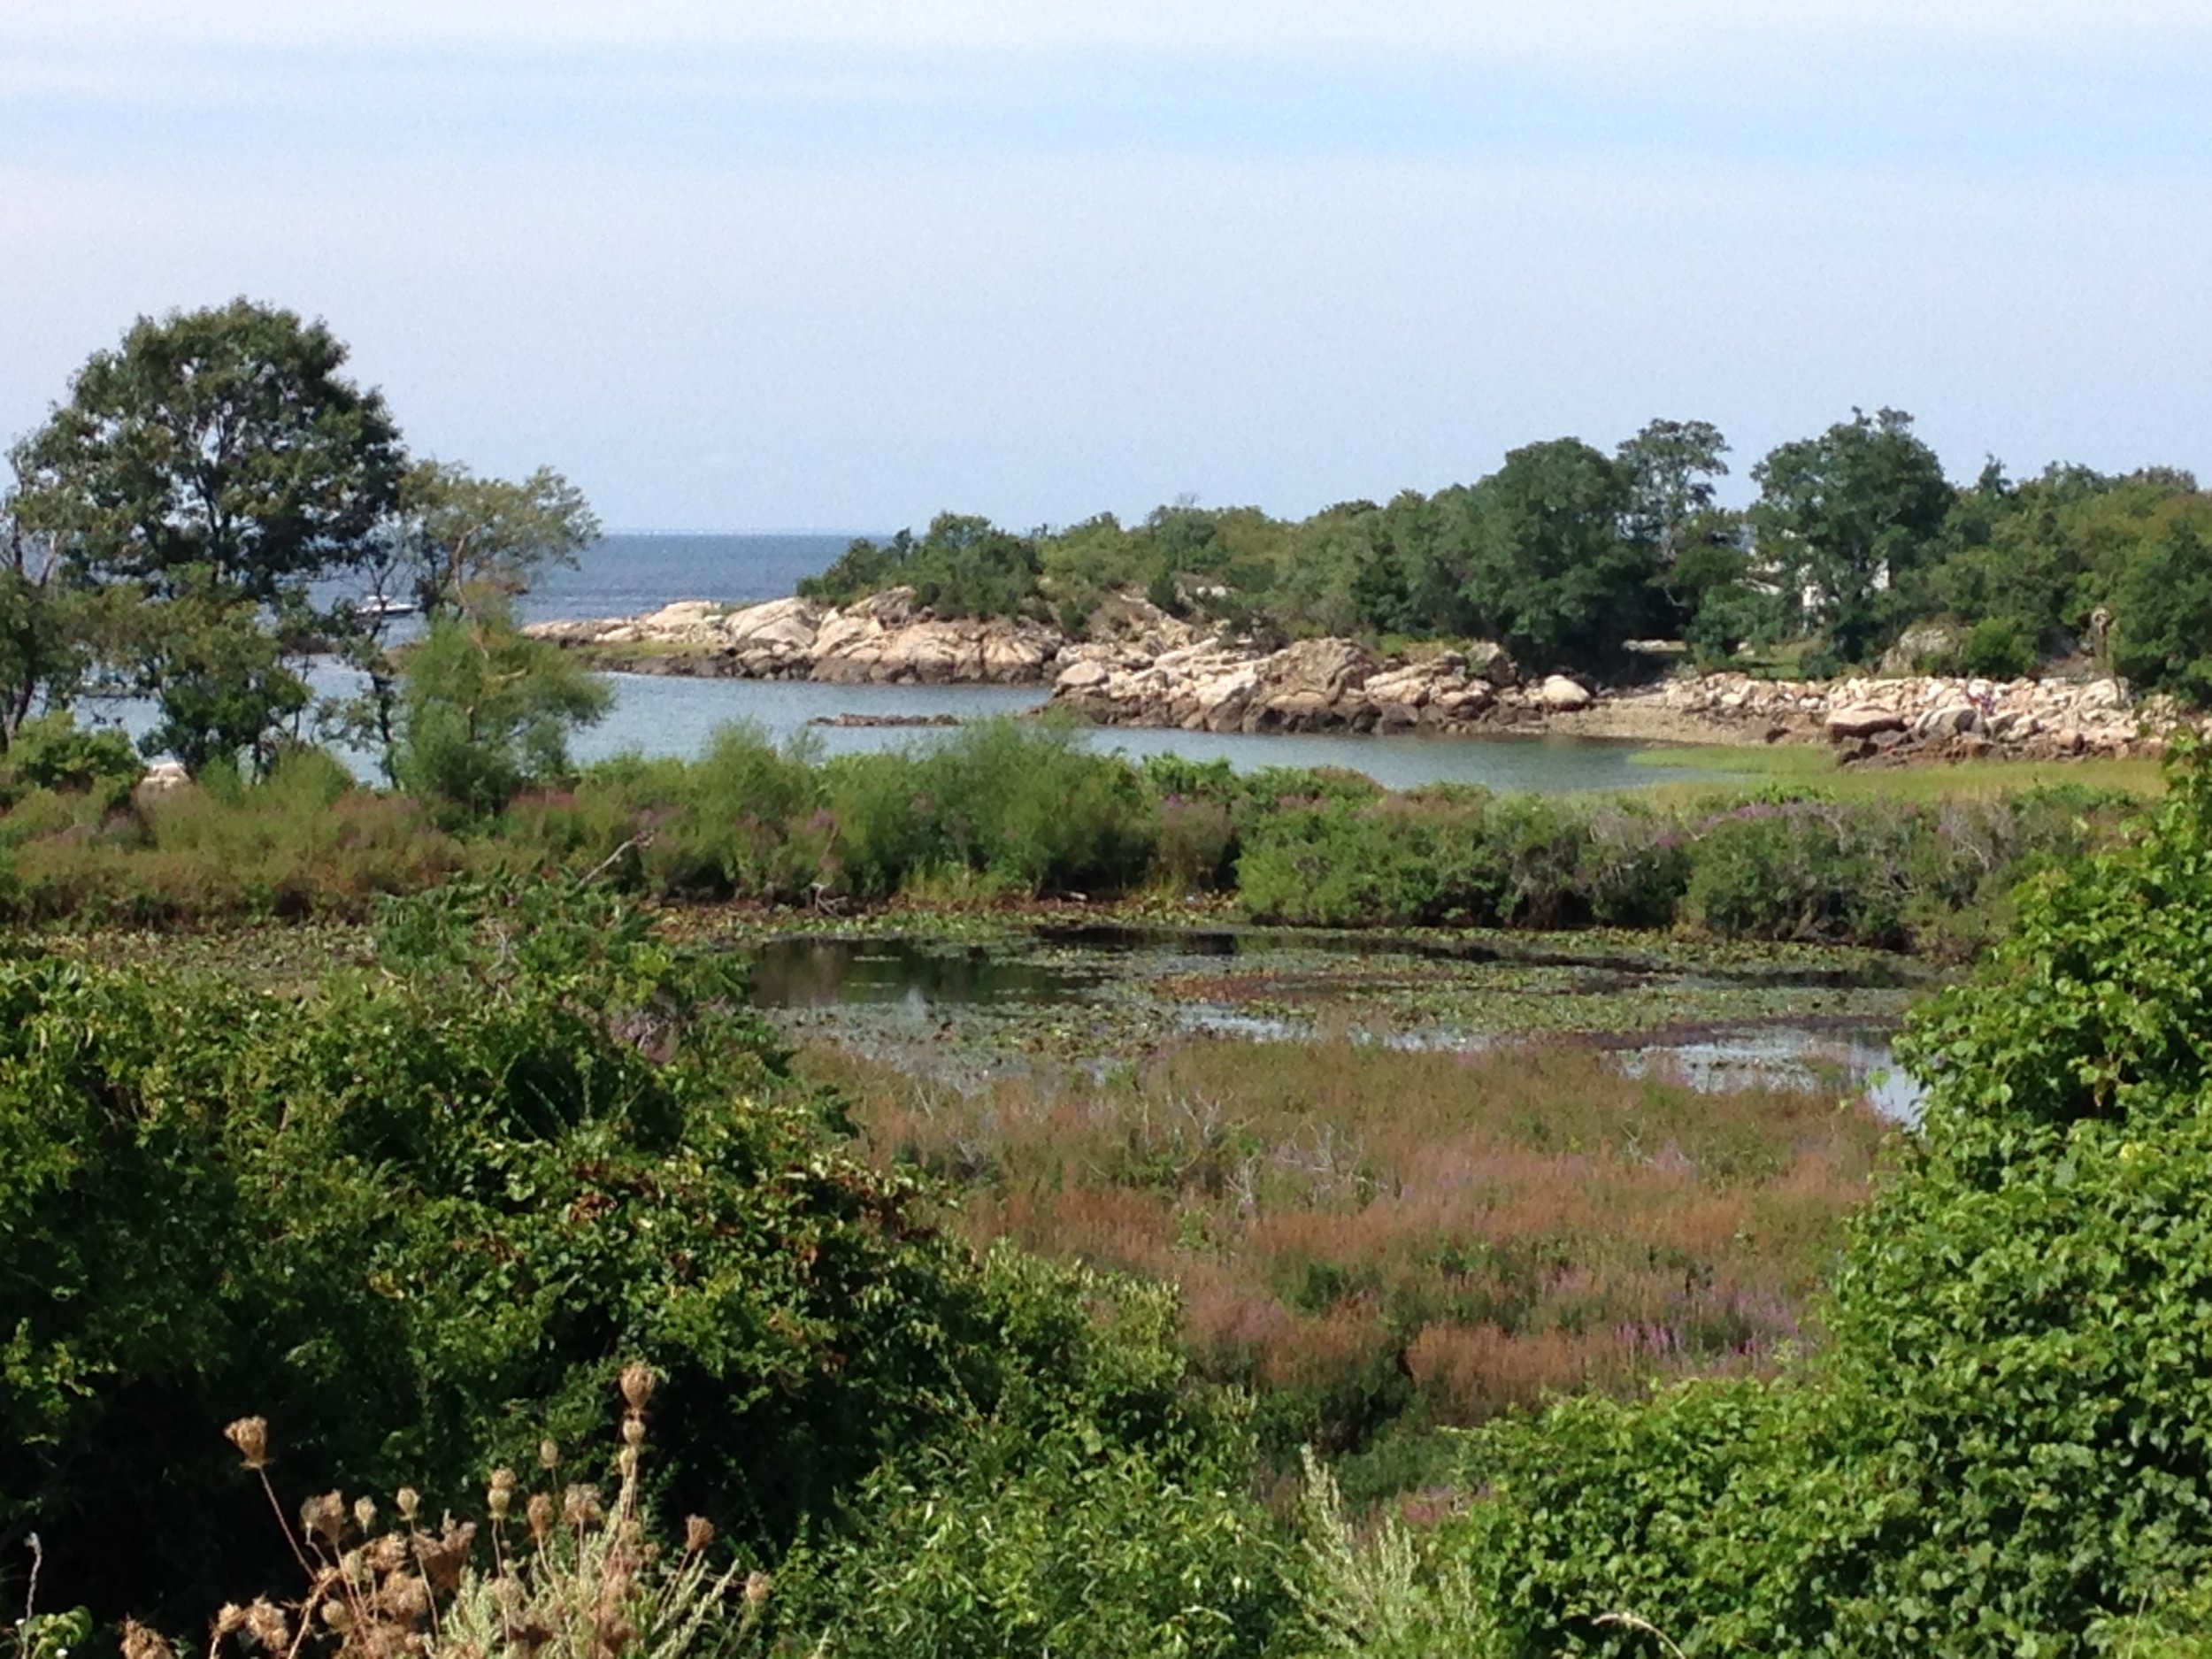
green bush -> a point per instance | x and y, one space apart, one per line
1998 648
53 752
418 1215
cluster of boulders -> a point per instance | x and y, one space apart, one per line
884 638
1927 716
1138 665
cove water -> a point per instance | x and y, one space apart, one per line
632 573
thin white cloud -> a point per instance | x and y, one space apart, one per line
1573 29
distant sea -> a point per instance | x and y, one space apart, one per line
625 575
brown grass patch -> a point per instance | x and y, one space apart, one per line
1361 1232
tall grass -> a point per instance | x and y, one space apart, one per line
1368 1236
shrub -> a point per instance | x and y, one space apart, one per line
1998 648
53 752
411 1214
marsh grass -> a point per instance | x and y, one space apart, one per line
1806 765
1369 1236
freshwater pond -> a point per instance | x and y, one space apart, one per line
1715 1017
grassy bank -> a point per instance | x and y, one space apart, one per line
1004 812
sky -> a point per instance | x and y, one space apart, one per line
735 265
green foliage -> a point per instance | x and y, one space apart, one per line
1844 513
1553 576
1997 648
2163 636
1096 1511
213 465
487 711
1026 807
1862 872
416 1215
458 535
963 566
1383 1596
51 751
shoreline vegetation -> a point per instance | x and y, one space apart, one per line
1008 812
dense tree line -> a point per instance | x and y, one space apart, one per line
216 503
1566 553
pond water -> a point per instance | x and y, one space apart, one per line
1713 1019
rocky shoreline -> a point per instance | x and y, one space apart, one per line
1141 667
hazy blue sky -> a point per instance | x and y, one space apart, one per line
754 265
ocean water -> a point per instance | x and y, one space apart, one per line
629 574
625 575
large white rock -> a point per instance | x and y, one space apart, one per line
1845 725
1563 695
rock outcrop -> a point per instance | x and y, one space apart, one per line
1141 667
882 639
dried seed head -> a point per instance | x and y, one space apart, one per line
325 1518
141 1642
580 1507
364 1514
266 1623
409 1503
250 1436
387 1554
698 1534
503 1479
548 1454
637 1385
756 1587
443 1557
626 1461
541 1517
336 1616
231 1618
405 1597
633 1431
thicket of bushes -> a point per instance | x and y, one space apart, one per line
1004 810
420 1215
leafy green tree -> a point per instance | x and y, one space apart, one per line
2161 635
1671 466
1848 515
486 710
217 462
458 534
1552 577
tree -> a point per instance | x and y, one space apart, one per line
217 464
458 534
1843 516
1553 578
486 711
1671 466
47 627
2162 626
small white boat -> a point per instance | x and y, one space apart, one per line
378 605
